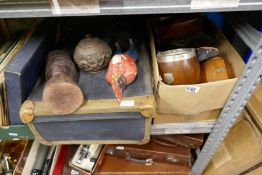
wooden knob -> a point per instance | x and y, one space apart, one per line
61 94
27 111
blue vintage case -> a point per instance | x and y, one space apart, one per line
101 119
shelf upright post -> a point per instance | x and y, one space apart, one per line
246 84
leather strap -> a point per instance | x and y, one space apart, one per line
164 142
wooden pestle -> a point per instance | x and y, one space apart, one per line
61 93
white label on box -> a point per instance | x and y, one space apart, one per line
211 4
120 147
13 134
75 7
127 103
192 89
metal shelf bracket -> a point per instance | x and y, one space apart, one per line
246 84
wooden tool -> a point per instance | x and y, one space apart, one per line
216 69
61 93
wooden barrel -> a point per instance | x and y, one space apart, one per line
179 66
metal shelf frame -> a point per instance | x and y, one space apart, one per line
42 8
246 84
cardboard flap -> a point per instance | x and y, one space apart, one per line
209 96
157 78
207 116
241 149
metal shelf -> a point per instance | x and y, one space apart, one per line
15 132
241 93
182 128
246 84
42 8
183 124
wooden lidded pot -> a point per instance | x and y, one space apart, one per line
92 54
216 69
179 66
61 94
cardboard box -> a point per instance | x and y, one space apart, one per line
213 95
241 149
257 171
194 118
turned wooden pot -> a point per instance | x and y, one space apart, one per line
216 69
92 54
179 66
61 95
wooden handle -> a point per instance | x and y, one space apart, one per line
27 111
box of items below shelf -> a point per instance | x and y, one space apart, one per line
30 157
240 150
195 68
162 155
109 100
12 156
166 154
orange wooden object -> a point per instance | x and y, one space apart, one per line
216 69
122 71
179 66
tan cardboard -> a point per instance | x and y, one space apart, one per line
257 171
241 149
211 96
206 116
